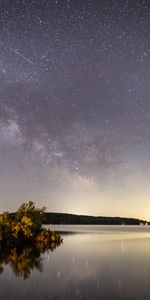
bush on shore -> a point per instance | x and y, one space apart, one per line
25 226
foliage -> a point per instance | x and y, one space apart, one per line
23 239
36 215
25 226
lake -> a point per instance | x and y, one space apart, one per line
94 262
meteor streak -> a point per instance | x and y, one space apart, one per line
21 55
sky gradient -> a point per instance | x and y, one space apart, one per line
75 106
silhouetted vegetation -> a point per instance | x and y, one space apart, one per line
62 218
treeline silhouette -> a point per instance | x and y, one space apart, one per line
65 218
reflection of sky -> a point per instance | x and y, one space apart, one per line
87 265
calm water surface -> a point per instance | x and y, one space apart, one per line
94 262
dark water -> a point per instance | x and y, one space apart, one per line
94 262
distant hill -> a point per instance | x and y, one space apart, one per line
64 218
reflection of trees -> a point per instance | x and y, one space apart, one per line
24 259
23 240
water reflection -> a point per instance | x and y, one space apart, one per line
93 263
23 259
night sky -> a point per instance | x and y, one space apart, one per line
75 106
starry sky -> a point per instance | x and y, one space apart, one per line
75 106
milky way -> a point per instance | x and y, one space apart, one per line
75 106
